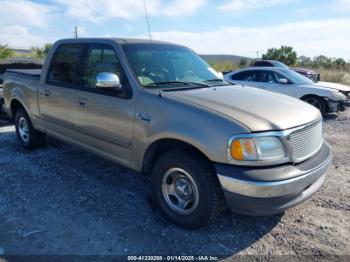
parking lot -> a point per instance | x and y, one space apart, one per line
62 200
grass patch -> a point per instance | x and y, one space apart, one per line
335 76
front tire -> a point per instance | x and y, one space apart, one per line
28 137
186 190
317 102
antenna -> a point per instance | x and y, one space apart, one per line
76 31
149 30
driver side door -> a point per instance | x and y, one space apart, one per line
271 81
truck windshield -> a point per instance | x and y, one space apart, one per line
168 66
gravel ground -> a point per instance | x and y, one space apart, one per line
62 200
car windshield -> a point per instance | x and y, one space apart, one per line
168 66
297 78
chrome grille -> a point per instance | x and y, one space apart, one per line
306 141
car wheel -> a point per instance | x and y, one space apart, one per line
28 137
185 189
317 102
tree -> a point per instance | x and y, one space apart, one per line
243 62
339 63
323 61
41 52
305 61
285 54
5 52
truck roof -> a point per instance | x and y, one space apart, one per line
118 40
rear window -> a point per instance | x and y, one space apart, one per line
64 63
262 63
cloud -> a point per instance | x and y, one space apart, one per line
343 5
181 7
21 21
19 36
311 38
100 10
235 5
25 13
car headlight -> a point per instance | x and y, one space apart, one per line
337 96
263 149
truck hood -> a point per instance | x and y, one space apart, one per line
329 85
257 109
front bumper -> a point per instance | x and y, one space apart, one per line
271 190
336 106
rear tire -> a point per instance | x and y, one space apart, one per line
186 190
317 102
28 137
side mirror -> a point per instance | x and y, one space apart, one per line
283 81
108 81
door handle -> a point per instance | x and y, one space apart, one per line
47 92
83 102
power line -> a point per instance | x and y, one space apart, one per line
149 30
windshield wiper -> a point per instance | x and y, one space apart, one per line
214 80
175 82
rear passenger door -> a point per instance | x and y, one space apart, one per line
104 118
56 102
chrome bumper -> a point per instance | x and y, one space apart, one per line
251 191
274 188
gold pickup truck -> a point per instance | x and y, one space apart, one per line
159 109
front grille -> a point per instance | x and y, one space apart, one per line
306 141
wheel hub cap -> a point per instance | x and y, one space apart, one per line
23 129
180 191
183 188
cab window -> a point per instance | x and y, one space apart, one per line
270 77
100 58
267 77
64 64
250 76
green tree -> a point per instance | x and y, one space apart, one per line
305 61
41 52
339 63
323 61
284 54
243 62
5 52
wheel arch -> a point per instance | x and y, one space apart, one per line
311 95
154 151
16 104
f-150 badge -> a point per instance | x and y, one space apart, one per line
143 116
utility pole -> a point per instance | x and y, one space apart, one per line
76 31
257 53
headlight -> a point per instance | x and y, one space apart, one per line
337 96
264 148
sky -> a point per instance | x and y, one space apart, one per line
239 27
